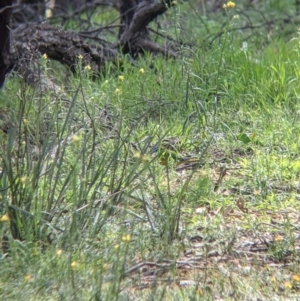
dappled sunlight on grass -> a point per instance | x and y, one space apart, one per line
163 179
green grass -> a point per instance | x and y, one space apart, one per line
99 215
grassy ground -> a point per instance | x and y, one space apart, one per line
163 180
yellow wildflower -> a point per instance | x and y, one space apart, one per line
80 57
28 277
287 285
145 158
118 91
137 155
229 4
59 252
74 264
4 218
116 246
126 238
296 278
45 56
105 266
76 138
23 179
48 13
142 70
121 77
88 67
278 237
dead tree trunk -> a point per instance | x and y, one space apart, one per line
31 40
135 17
63 46
5 14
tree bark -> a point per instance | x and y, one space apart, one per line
5 14
135 17
35 38
66 47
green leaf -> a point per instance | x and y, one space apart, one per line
244 138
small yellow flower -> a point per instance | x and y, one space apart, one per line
23 179
287 285
296 278
80 57
76 138
126 238
278 237
105 266
121 77
145 158
118 91
116 247
137 155
235 17
45 56
88 67
74 264
142 70
28 277
229 4
4 218
59 252
48 13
